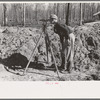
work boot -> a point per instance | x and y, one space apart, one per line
70 66
62 69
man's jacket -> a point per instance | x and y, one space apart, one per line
62 30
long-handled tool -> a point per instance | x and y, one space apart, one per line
45 36
49 44
67 52
33 53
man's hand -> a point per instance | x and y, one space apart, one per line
68 42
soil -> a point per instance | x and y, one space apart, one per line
17 44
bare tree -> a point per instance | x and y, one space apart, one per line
67 14
54 8
24 14
5 15
81 13
15 14
57 9
36 13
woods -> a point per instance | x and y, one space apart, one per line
29 14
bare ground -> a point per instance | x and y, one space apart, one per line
37 75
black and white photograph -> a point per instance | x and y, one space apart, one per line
49 41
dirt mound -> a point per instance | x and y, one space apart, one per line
17 44
23 41
87 48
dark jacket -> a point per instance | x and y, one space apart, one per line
62 30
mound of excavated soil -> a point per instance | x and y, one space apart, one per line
17 44
23 41
87 49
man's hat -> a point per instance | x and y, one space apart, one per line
53 16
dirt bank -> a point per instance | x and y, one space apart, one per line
16 46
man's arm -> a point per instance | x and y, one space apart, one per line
64 28
61 30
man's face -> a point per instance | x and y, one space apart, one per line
53 21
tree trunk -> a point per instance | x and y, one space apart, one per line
64 11
81 13
54 8
67 14
24 14
36 13
5 16
58 9
15 14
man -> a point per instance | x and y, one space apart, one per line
67 39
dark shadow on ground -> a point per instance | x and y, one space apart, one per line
19 61
15 61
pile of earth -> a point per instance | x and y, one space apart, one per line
87 49
17 45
